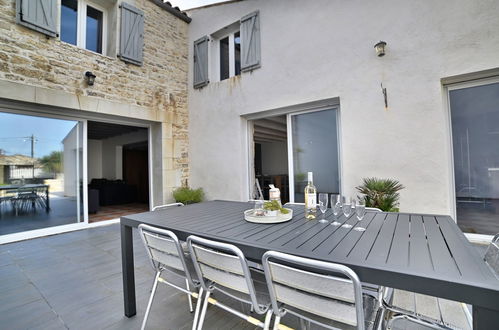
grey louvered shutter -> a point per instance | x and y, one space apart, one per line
250 42
131 34
38 15
201 62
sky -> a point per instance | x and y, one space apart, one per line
188 4
49 133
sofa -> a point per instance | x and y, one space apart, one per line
113 192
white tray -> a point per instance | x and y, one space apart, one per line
248 216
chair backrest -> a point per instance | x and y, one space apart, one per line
373 209
492 255
315 287
221 264
165 206
164 249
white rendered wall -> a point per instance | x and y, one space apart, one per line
69 162
112 160
94 159
323 49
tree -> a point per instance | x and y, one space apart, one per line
52 163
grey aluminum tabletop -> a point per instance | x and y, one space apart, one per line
422 253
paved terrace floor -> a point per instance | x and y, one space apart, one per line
73 281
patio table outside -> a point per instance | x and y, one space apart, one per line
425 254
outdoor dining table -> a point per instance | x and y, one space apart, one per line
426 254
17 188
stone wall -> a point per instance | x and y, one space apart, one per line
158 88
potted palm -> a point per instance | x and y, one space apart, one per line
381 193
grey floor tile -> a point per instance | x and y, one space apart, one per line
52 324
18 297
28 315
5 258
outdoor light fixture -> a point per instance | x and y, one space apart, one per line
90 77
380 48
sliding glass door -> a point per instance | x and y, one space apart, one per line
313 147
41 172
475 136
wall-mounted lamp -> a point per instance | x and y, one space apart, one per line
380 48
90 77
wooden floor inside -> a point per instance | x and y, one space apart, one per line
117 211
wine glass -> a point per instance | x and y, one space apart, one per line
323 200
336 206
360 212
347 210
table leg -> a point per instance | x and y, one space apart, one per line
484 318
128 270
47 200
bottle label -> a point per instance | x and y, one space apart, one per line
311 200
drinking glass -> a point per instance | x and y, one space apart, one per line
323 200
336 206
258 208
347 210
360 212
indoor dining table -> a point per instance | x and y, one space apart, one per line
426 254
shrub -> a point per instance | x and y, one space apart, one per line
187 195
381 193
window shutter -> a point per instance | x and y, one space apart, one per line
38 15
250 42
201 62
131 34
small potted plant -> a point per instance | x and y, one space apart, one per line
273 208
187 195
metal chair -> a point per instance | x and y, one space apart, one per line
492 255
222 268
373 209
426 311
165 206
433 312
323 293
166 254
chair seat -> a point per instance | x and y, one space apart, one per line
451 313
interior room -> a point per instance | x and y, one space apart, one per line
271 155
118 170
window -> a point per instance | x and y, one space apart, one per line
227 52
83 24
94 30
237 53
230 55
224 58
475 135
69 15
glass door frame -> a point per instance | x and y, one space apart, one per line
289 126
450 145
82 162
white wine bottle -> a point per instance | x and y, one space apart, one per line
310 198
